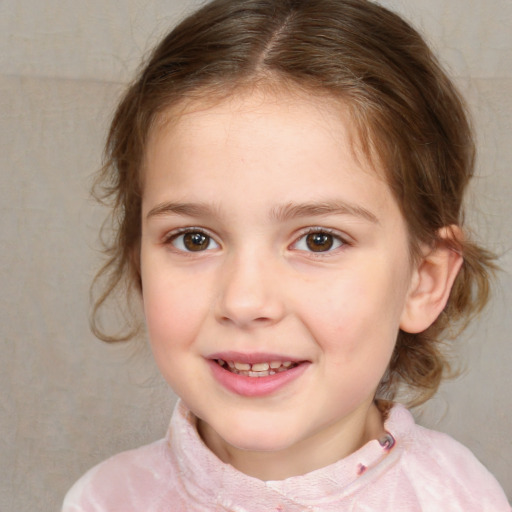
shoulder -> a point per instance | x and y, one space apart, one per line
125 482
442 470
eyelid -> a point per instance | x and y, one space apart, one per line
169 235
168 238
342 237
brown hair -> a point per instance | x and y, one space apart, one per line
406 111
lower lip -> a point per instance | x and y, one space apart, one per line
255 386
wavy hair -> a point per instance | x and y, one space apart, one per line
407 114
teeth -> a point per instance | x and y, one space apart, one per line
242 366
260 367
256 369
258 374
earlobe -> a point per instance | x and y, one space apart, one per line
432 282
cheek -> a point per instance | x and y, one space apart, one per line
171 309
171 329
359 318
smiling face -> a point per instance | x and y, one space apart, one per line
266 242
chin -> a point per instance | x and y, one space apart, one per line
257 438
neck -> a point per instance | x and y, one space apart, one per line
317 451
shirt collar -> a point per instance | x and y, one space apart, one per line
207 479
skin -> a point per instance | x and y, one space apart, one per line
257 171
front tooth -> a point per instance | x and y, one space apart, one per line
258 374
275 364
242 366
260 367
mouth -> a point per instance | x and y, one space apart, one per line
255 375
261 369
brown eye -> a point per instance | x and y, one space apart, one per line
196 241
319 242
193 241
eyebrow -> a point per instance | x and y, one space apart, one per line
315 209
280 213
184 209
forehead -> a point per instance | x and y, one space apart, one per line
260 150
224 114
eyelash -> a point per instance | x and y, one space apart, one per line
337 240
175 235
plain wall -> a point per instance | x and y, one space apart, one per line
67 400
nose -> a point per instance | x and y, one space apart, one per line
250 293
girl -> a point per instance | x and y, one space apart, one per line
287 179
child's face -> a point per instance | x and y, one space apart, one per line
265 240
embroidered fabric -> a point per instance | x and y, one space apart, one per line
410 469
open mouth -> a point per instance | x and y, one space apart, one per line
256 369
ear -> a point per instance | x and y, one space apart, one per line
432 282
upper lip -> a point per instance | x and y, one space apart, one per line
252 358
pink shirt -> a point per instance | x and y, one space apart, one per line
414 469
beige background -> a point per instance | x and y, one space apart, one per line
68 401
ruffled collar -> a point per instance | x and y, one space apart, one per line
206 479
